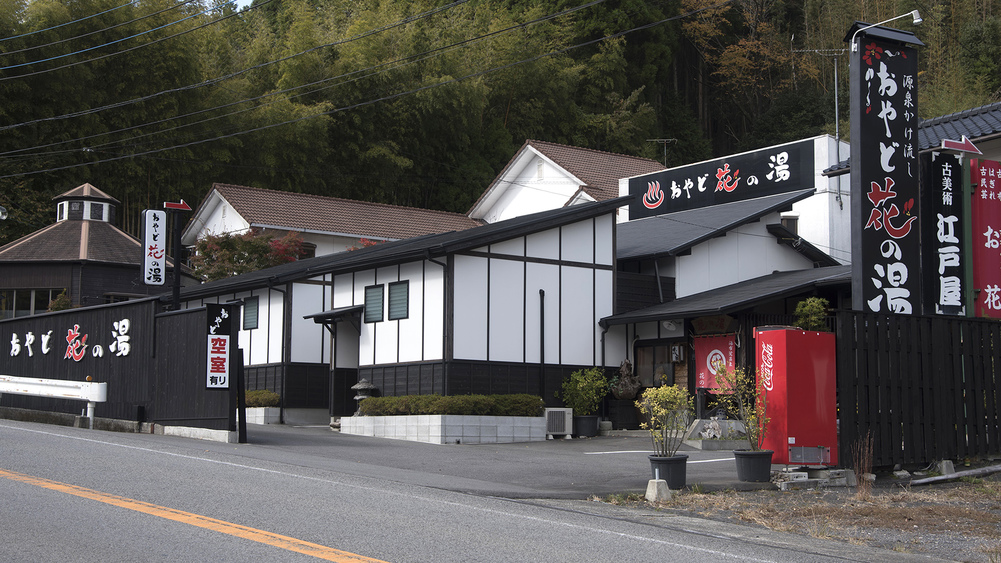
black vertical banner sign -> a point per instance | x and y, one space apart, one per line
943 258
886 259
217 364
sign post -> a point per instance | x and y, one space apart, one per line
175 209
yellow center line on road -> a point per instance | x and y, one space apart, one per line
221 526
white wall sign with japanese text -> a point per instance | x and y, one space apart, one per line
217 373
886 259
154 247
770 171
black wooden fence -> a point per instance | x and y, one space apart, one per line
926 388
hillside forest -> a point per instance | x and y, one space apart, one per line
422 103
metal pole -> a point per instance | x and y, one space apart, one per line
177 261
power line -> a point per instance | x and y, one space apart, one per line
380 99
117 25
115 42
129 50
68 23
217 80
372 71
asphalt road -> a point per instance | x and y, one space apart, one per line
298 494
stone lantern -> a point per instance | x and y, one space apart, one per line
363 390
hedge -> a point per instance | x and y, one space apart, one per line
492 405
263 398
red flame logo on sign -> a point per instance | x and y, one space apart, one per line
654 195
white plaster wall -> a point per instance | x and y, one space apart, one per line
224 219
604 252
745 253
513 247
387 333
273 318
578 323
470 308
577 241
507 310
434 312
309 339
545 277
411 329
603 289
545 244
366 337
525 192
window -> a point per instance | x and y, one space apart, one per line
654 366
97 211
399 298
62 211
251 308
373 304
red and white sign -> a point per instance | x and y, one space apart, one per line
985 180
713 353
182 206
965 145
219 344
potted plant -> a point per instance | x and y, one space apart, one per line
745 397
583 392
668 410
624 386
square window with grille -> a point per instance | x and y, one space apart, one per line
373 303
399 300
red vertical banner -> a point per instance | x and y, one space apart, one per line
713 353
985 180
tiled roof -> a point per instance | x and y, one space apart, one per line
600 171
398 252
74 241
978 124
306 212
85 191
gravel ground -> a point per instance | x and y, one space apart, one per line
957 520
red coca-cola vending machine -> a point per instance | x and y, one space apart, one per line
797 371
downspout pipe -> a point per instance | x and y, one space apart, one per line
542 343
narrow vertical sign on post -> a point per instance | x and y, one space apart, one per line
154 247
219 347
944 233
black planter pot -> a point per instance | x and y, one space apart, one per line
671 469
622 413
753 466
585 426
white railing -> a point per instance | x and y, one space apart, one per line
58 389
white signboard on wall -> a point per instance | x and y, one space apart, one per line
154 247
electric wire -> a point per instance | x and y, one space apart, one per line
377 100
372 71
117 25
130 49
69 22
115 42
219 79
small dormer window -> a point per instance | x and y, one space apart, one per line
97 211
60 212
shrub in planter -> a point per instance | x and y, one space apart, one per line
263 398
584 390
495 405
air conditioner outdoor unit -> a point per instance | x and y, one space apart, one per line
559 422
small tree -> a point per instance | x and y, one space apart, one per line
584 390
669 409
226 255
745 396
61 302
811 314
